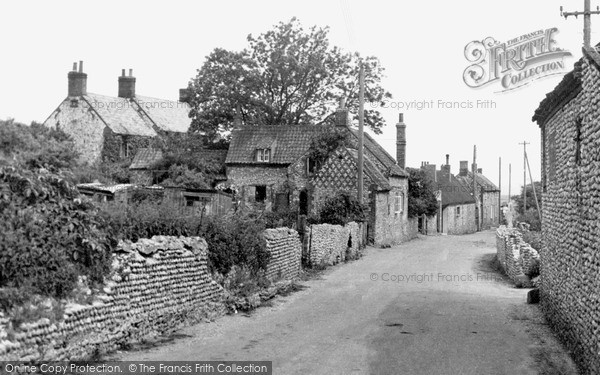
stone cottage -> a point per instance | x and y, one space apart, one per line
270 165
570 258
458 206
487 194
113 128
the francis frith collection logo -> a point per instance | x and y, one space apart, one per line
514 63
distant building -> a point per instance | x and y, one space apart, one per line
487 193
108 128
270 165
457 204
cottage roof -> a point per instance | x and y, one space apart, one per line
482 181
453 191
384 158
120 115
372 171
566 90
287 143
167 115
145 158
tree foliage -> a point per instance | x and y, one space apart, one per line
287 75
48 235
421 194
530 198
325 143
36 146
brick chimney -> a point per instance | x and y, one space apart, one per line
464 168
446 167
401 141
342 118
127 85
430 169
77 81
480 170
184 95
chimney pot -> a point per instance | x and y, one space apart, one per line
127 85
77 81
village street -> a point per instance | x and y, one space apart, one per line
355 319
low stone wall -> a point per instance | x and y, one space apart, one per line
412 230
286 253
328 244
517 257
156 286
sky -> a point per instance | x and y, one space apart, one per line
420 44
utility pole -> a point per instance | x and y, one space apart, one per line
587 20
478 213
524 175
537 205
509 181
361 140
499 188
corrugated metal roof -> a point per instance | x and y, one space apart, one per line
97 186
145 158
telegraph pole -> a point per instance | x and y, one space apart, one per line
524 175
361 120
509 181
537 205
587 20
499 188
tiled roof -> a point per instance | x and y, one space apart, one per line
384 158
453 191
120 115
145 158
166 114
481 181
372 171
97 186
287 143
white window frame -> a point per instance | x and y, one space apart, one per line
263 155
399 203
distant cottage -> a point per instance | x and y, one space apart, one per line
270 165
457 203
113 128
488 195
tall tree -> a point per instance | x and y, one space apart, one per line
421 194
287 75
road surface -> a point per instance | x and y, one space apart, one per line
429 306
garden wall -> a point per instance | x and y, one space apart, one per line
517 257
331 244
286 253
156 286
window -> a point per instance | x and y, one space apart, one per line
399 203
263 155
458 211
311 165
261 193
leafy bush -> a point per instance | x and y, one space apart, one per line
533 238
341 209
532 218
48 235
421 197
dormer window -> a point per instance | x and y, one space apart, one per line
263 155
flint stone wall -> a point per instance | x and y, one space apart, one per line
570 257
156 286
516 256
286 253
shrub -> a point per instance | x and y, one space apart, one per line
48 235
421 197
533 238
341 209
532 218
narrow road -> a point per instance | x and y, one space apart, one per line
430 306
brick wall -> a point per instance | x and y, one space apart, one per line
516 256
570 256
286 253
155 287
